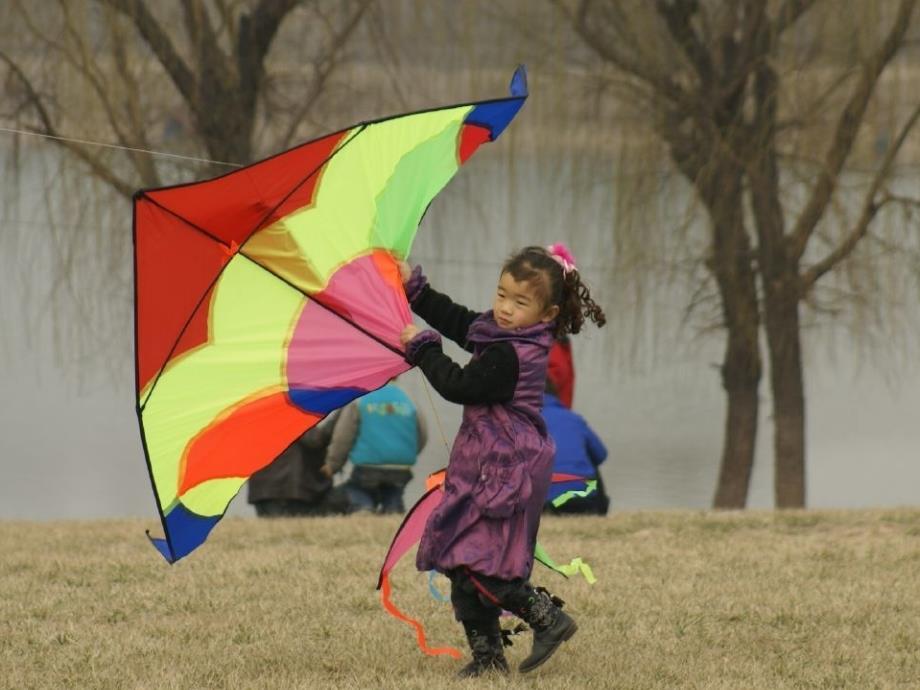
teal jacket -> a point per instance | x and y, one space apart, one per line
382 429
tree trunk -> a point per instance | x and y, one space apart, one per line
740 379
785 348
741 366
780 281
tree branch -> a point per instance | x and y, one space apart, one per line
790 13
211 59
255 37
847 128
325 68
265 22
677 15
99 169
160 44
869 210
144 163
816 106
83 62
754 45
225 12
899 199
665 87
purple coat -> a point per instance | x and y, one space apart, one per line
500 466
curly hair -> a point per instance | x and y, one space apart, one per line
556 288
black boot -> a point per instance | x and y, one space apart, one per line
551 627
485 640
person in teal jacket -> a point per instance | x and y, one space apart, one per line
382 434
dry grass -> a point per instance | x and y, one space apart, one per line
684 600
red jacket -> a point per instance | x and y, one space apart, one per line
562 371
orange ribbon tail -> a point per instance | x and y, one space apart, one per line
385 590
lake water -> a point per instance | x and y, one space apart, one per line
69 444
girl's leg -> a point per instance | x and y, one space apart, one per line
480 623
543 612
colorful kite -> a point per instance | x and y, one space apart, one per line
270 296
410 532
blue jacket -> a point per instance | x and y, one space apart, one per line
578 449
388 433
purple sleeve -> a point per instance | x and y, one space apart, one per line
419 343
443 314
416 283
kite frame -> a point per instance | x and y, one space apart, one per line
519 92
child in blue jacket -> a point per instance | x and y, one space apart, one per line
579 451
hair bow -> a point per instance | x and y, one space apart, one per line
561 255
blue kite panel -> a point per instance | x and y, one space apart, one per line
497 115
186 532
323 400
494 116
518 86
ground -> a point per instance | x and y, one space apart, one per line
683 600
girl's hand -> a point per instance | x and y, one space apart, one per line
405 271
408 333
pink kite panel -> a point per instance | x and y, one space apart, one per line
327 351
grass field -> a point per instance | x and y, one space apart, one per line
684 600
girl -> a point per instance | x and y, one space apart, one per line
482 535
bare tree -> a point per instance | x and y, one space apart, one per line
206 84
719 84
139 72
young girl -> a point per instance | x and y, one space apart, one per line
482 535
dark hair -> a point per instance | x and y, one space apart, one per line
555 288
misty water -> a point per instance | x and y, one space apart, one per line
69 441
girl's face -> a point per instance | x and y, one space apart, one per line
517 304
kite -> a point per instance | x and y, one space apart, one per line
270 296
411 529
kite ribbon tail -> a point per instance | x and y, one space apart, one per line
436 595
575 566
564 498
385 590
570 569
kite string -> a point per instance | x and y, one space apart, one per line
87 142
437 417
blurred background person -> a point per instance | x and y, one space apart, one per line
294 484
561 370
579 451
381 433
